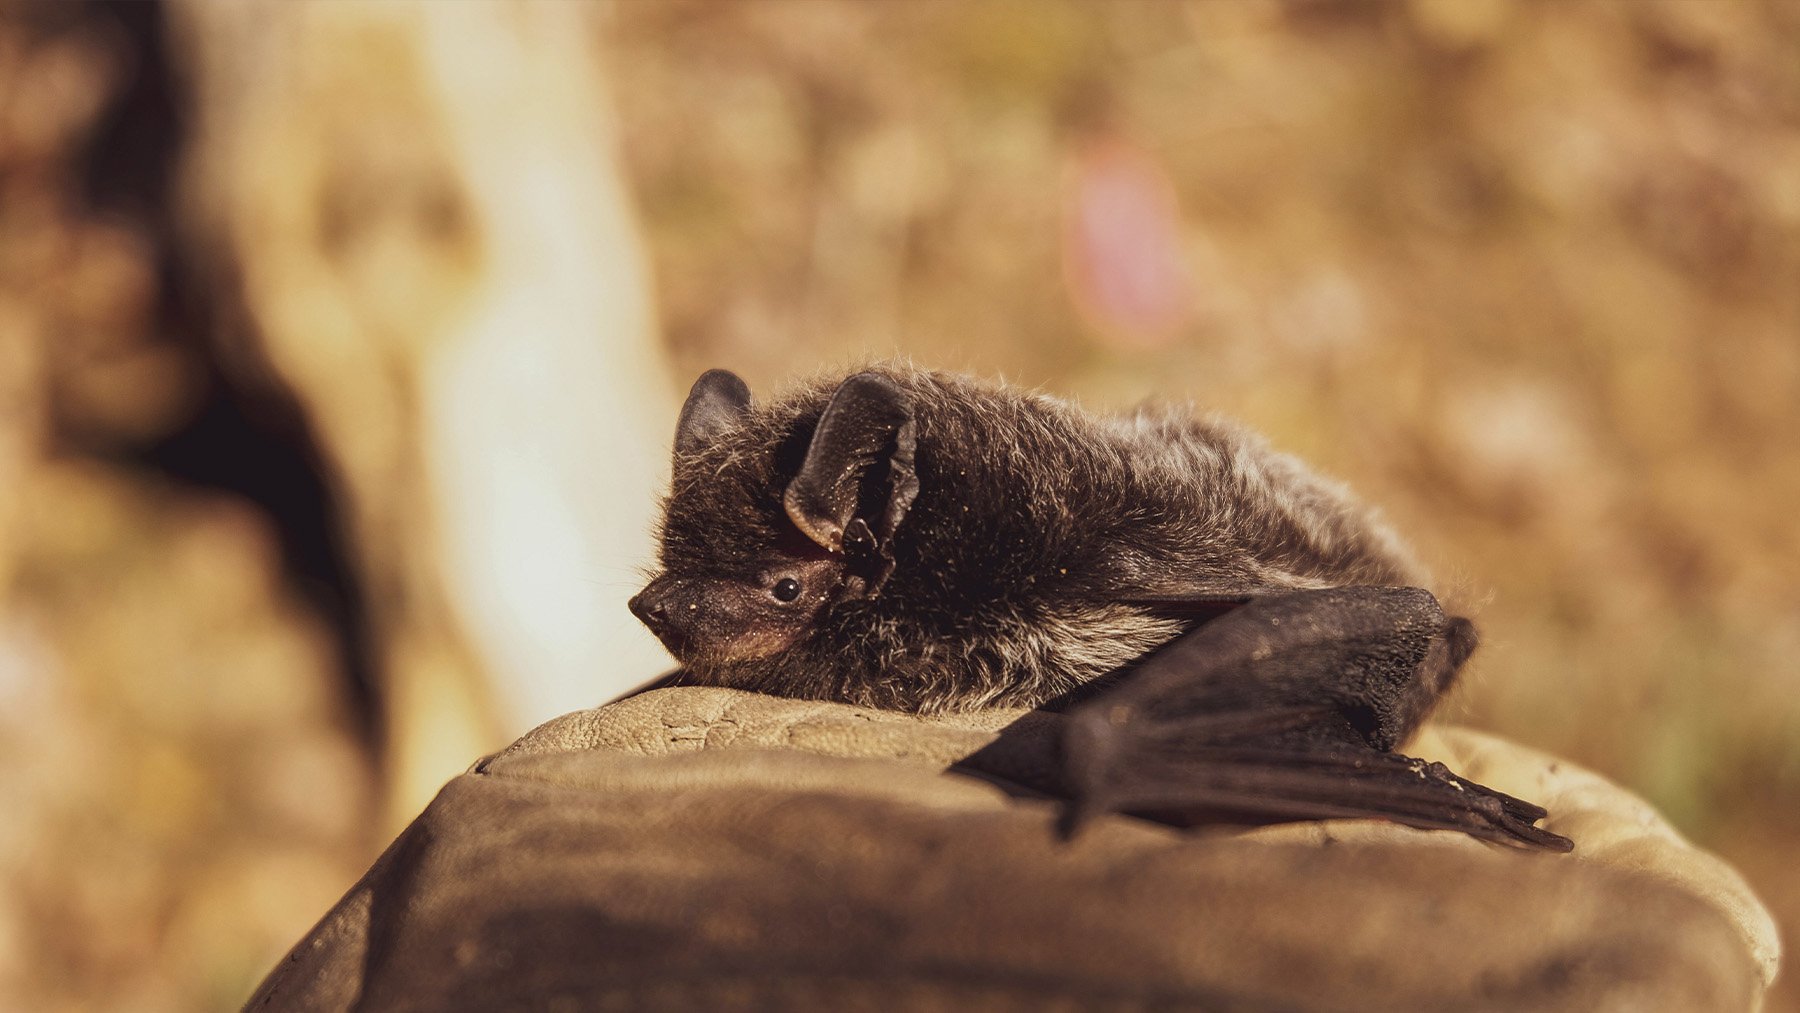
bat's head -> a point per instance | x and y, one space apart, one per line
776 516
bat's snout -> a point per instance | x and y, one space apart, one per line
716 620
650 612
654 607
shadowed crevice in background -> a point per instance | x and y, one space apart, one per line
245 433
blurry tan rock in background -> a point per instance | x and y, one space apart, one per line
1524 273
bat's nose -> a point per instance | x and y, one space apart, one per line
651 610
655 608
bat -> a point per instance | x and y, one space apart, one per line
1234 637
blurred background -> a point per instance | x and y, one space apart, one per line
340 345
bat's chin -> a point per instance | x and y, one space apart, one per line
700 653
747 649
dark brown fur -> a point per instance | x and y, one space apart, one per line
1029 563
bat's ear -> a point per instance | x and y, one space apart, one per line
857 482
717 400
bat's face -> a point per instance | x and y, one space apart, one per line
717 613
768 523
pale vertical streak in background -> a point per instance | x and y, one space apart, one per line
425 210
544 409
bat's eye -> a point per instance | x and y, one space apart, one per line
787 589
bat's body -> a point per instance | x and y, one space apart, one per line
918 541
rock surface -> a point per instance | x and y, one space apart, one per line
707 848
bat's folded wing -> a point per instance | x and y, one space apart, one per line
1286 708
1199 778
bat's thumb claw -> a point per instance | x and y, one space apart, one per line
1087 746
1077 814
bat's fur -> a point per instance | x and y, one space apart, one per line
1035 529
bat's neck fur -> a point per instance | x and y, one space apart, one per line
1038 533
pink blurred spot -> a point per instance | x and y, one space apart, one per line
1122 247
